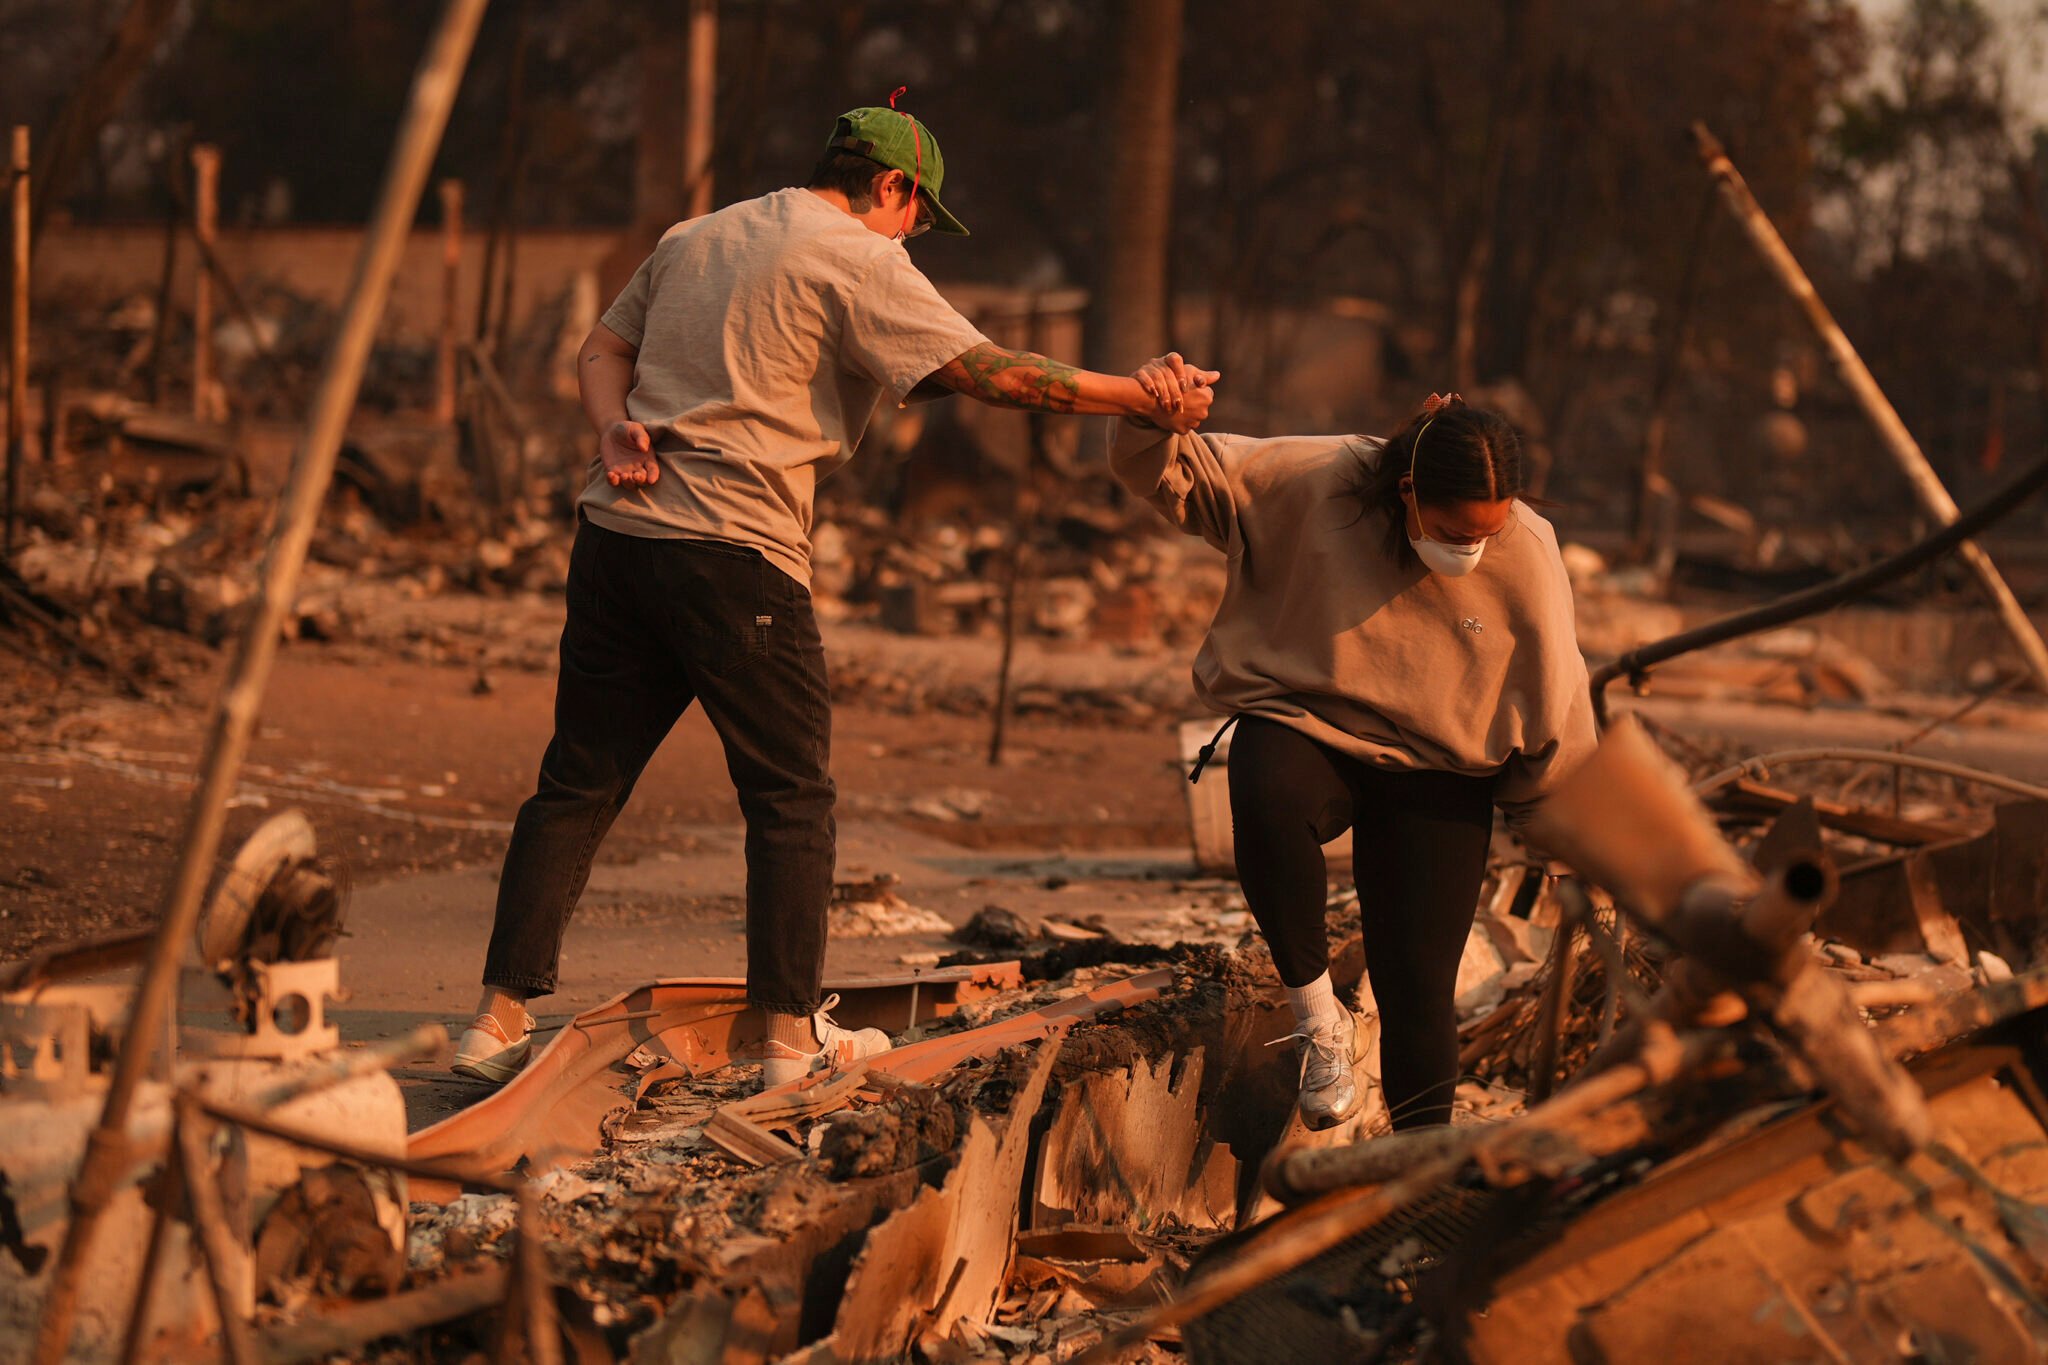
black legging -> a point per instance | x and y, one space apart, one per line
1419 843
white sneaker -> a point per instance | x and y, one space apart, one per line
1329 1092
487 1054
837 1047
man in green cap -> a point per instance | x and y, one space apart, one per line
738 368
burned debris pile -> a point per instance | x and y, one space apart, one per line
1081 1150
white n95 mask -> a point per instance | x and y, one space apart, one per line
1452 561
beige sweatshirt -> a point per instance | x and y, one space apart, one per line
1321 630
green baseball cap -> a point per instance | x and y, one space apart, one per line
892 138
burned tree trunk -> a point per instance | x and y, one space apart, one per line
1127 312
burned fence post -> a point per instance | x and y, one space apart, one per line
446 355
1898 442
17 332
234 714
205 222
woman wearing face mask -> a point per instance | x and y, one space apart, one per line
1396 648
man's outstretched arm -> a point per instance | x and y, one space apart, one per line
1025 379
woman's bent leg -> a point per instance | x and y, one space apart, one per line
1287 796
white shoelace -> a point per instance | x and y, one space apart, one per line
1325 1060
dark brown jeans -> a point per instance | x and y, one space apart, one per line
654 625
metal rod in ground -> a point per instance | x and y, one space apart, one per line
17 334
1021 524
205 220
1635 664
217 1242
1898 442
241 695
1014 572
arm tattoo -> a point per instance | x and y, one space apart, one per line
1012 379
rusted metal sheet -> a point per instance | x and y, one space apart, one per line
553 1110
2019 875
1918 903
1794 1243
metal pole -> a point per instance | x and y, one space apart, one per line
205 220
235 710
451 279
703 100
1898 442
17 338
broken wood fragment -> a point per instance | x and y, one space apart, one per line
751 1143
343 1328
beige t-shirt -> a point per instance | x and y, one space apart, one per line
768 333
1323 631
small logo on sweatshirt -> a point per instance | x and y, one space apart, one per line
764 620
1472 624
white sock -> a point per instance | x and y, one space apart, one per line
1315 1003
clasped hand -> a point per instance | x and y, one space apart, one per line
1180 392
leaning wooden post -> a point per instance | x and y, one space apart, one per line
205 222
1904 450
241 694
451 279
17 338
